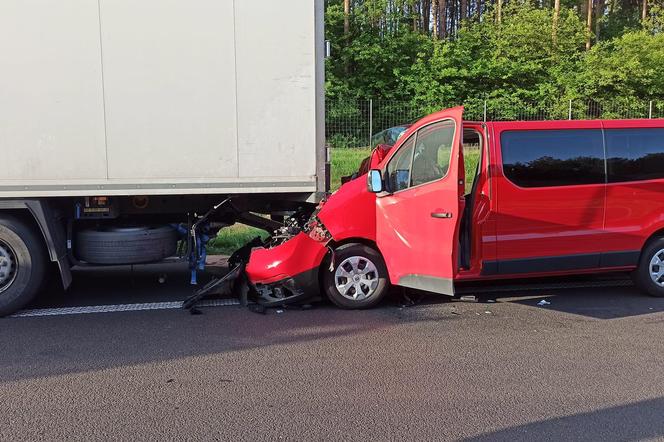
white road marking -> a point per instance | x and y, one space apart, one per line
60 311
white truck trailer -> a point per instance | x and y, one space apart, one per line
121 121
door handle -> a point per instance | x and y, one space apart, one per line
441 215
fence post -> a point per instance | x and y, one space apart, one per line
485 111
650 110
570 110
370 121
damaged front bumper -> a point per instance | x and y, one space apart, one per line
289 272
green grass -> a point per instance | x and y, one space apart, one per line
470 159
344 162
232 238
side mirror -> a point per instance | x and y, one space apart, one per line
375 181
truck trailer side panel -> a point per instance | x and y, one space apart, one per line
122 97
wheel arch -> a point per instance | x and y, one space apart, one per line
332 245
326 268
41 216
659 233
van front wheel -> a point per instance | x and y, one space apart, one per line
649 276
357 278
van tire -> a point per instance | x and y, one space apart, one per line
23 256
125 245
371 262
641 275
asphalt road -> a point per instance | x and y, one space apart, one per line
589 366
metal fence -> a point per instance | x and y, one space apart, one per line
352 123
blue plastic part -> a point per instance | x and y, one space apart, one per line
198 256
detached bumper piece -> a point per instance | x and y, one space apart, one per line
264 275
287 273
299 289
225 284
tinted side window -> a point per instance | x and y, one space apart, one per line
544 158
398 170
432 152
634 154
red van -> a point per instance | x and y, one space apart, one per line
459 200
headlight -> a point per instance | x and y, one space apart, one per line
316 230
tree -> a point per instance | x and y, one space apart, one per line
431 52
589 24
442 14
346 17
599 13
556 17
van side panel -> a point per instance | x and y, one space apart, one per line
536 224
634 209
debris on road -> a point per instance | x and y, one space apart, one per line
544 302
468 298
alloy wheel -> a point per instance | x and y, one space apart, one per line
356 278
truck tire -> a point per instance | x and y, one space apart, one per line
358 278
23 264
650 266
125 245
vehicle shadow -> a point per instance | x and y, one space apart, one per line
598 303
608 297
47 346
36 347
636 421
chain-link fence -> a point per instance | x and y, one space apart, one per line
353 123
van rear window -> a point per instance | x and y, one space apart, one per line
546 158
634 154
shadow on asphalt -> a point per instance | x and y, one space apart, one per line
598 303
138 284
122 285
46 346
591 302
636 421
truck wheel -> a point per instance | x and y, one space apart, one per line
125 245
358 278
649 276
22 264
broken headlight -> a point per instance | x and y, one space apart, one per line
316 230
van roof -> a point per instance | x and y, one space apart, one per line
562 124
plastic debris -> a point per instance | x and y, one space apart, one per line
280 311
544 302
469 298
